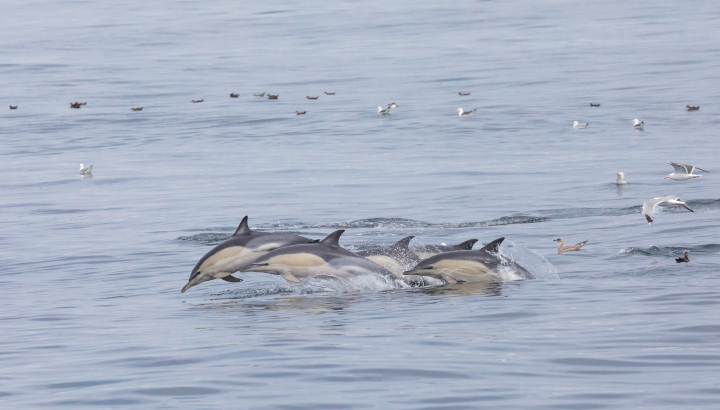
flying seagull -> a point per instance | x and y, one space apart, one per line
580 125
683 172
650 204
461 112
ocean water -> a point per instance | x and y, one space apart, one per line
91 268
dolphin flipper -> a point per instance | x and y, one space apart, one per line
288 276
231 279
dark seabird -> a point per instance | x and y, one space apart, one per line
273 97
300 112
463 93
233 95
137 109
594 105
75 105
461 112
312 98
692 108
685 258
259 95
327 93
13 107
83 103
198 101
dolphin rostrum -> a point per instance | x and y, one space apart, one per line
482 265
325 259
396 258
238 252
431 250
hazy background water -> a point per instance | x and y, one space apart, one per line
91 268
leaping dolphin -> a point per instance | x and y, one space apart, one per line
238 252
396 258
481 265
325 259
431 250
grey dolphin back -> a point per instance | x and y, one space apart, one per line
467 245
333 239
243 228
494 245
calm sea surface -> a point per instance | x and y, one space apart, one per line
91 268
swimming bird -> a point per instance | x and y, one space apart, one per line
273 97
300 112
327 93
75 105
683 172
386 111
569 248
620 179
468 113
13 107
594 105
463 93
650 204
198 101
136 109
685 258
692 108
233 95
312 98
85 170
580 125
638 125
259 95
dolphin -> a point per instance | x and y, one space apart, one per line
431 250
238 252
396 258
325 259
482 265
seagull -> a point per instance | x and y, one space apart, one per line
312 98
570 248
691 108
594 105
683 172
386 111
620 179
85 171
300 112
580 125
685 258
638 125
13 107
259 95
137 109
463 93
650 204
461 112
327 93
198 101
75 105
273 97
392 105
233 95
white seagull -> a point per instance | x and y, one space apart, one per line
461 112
683 172
650 204
386 111
638 125
84 170
580 125
620 179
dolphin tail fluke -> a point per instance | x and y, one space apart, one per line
467 245
403 244
494 245
288 276
231 279
243 228
333 239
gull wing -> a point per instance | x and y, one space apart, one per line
687 207
649 207
679 169
691 168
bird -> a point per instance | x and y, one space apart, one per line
594 105
650 204
461 112
300 112
685 258
392 105
13 107
136 109
580 125
570 248
620 179
259 95
312 98
83 103
198 101
463 93
692 108
327 93
638 125
233 95
85 170
75 105
386 111
683 172
273 97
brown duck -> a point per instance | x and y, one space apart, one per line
463 93
273 97
75 105
594 105
198 101
259 95
136 109
692 108
13 107
312 98
685 258
327 93
233 95
300 112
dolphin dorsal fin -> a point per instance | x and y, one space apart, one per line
467 245
402 244
243 228
333 239
494 245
